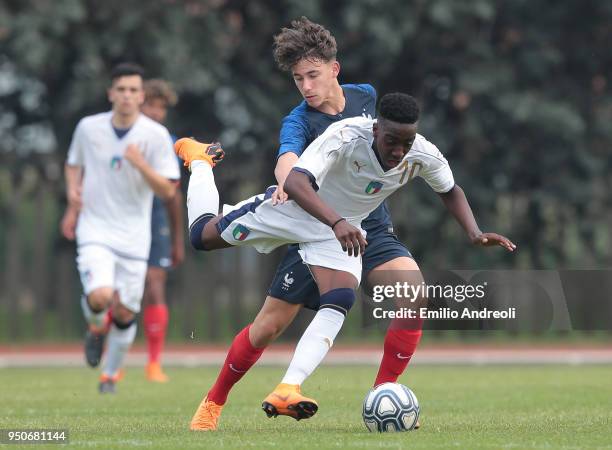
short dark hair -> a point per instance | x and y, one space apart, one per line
398 107
303 40
126 69
156 88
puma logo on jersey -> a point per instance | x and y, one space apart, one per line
358 165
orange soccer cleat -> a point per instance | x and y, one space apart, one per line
287 400
154 372
206 417
190 150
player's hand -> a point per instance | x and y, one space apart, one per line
69 222
177 253
279 196
134 156
492 239
350 238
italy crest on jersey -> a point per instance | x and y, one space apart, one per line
374 187
115 163
241 232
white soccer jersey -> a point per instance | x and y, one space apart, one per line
117 200
352 180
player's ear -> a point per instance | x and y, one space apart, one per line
375 129
335 68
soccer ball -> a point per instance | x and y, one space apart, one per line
390 407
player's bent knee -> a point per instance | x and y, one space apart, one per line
341 300
99 299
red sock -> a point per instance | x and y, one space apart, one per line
155 320
240 358
401 341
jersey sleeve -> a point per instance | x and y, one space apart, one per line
294 134
164 160
321 155
369 89
437 172
77 145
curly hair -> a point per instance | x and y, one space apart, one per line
303 40
157 88
398 107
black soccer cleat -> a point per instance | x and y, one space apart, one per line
94 345
107 386
299 411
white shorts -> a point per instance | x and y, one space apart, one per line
257 223
99 266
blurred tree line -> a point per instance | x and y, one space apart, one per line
515 93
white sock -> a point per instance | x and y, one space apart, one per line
202 193
314 345
93 318
118 344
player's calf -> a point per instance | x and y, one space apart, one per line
203 233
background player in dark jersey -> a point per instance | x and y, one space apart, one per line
308 51
167 242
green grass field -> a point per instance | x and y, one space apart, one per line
461 407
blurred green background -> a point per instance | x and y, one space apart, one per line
514 93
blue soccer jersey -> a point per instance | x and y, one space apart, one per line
293 282
304 124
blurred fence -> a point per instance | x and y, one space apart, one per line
212 295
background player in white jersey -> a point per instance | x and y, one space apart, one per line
117 160
330 195
167 242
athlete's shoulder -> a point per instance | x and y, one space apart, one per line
347 130
363 88
95 121
298 114
425 149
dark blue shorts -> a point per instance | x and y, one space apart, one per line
294 283
161 247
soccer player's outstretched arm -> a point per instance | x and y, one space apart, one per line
456 202
298 186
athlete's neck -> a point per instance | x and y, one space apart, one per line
335 102
124 121
380 161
